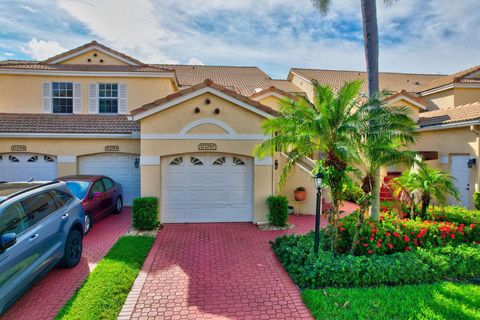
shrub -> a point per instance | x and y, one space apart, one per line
454 214
353 192
277 210
390 235
420 265
476 199
145 213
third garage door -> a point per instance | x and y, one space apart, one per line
207 188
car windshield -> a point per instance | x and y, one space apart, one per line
78 188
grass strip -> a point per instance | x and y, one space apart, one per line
442 300
104 292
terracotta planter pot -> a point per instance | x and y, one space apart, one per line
300 195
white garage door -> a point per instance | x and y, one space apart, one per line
26 166
119 167
207 188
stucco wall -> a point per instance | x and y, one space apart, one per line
83 59
176 118
440 100
271 101
306 86
414 110
69 148
466 95
23 93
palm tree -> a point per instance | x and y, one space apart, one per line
432 185
325 125
370 36
380 138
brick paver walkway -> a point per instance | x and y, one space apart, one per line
49 294
218 271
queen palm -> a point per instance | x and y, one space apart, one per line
432 184
325 125
370 36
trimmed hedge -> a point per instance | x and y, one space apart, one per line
277 210
454 214
145 213
476 200
417 266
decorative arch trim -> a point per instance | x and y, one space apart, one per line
199 122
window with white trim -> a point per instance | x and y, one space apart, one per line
108 97
62 97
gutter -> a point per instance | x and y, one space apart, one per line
450 126
134 135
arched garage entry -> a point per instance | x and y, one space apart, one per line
207 187
122 167
27 166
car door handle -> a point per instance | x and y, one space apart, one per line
33 237
65 216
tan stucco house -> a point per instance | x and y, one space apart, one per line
186 134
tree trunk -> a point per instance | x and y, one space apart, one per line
425 204
370 38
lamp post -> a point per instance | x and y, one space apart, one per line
318 184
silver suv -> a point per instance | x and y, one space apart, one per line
41 225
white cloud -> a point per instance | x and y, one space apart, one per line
41 50
28 8
8 54
195 61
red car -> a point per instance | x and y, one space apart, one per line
100 196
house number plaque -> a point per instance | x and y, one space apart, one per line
112 148
18 147
207 146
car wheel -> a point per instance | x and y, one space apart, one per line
118 205
73 249
87 222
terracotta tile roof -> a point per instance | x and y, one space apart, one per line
409 95
204 84
453 78
243 80
466 112
83 67
389 81
286 86
18 62
274 90
72 123
92 44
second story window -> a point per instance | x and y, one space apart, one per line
108 98
62 97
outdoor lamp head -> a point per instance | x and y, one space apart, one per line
318 180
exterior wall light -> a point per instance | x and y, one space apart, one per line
136 163
317 179
276 164
471 162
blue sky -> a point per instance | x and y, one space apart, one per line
427 36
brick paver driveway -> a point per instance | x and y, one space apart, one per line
217 271
48 295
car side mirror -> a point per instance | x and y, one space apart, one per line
7 240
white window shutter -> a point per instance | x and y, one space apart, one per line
122 98
47 97
93 98
77 97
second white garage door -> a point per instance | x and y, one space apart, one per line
119 167
207 188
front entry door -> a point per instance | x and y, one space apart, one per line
460 171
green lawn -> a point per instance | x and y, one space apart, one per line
106 288
444 300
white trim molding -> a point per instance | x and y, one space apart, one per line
269 94
90 48
449 86
409 100
266 161
134 135
149 160
66 159
199 122
89 73
186 136
197 93
449 126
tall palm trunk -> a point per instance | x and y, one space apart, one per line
370 35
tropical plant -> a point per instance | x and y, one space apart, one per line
325 125
432 185
370 37
380 138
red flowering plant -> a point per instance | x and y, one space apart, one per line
454 214
390 235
